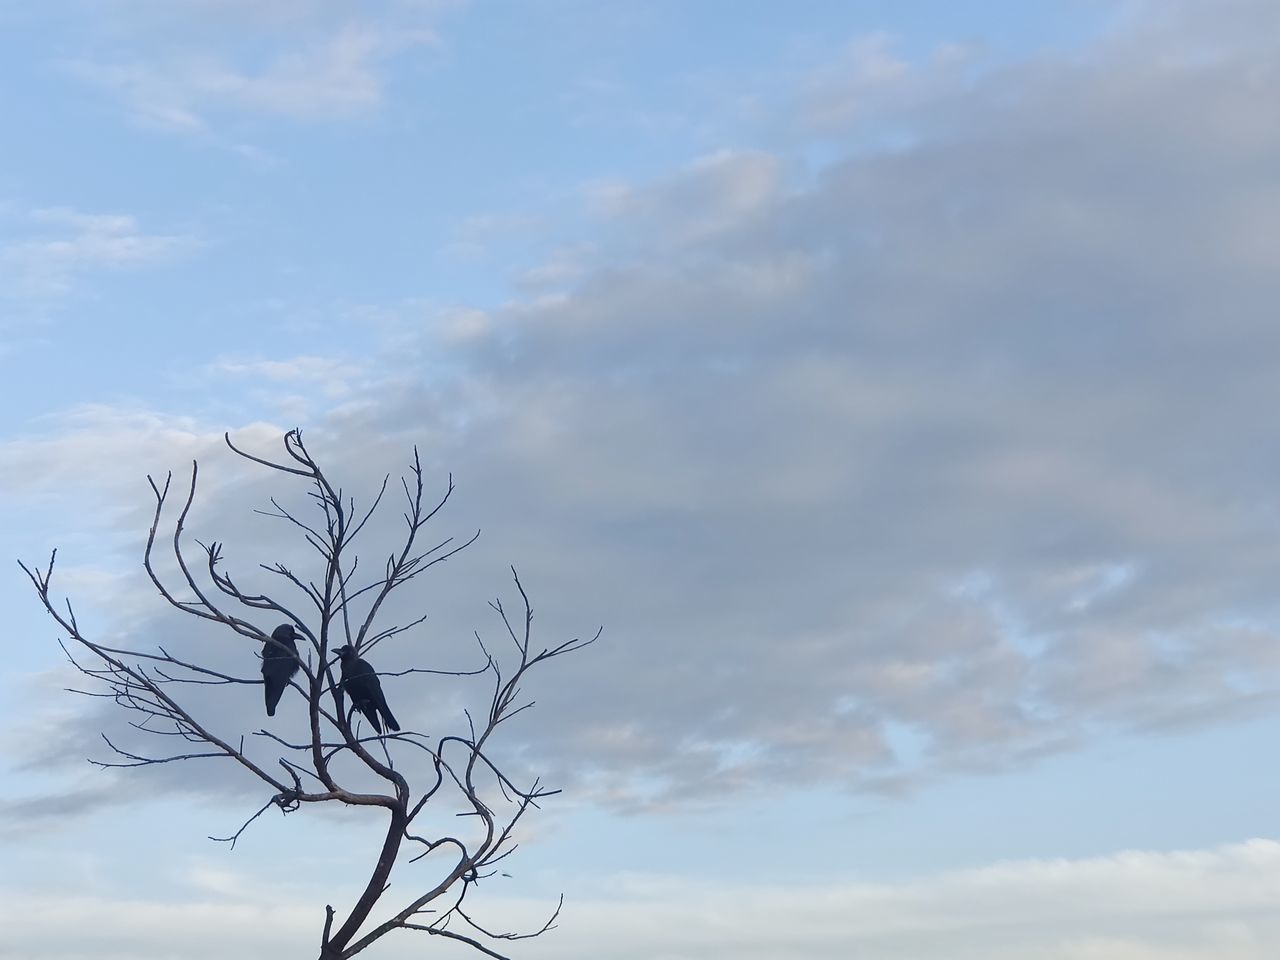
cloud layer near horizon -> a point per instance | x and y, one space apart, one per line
1214 904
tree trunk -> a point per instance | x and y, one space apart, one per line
336 944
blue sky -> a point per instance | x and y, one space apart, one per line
892 380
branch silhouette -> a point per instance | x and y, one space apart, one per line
338 622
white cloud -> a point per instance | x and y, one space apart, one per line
868 78
106 439
333 76
1213 904
68 243
334 376
307 61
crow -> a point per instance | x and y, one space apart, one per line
360 681
279 663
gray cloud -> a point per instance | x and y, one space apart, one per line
967 437
19 815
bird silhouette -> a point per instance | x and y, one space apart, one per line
279 663
360 681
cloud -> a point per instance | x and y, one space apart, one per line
21 816
780 421
304 61
1213 904
1131 905
334 378
334 76
869 78
715 193
105 450
63 243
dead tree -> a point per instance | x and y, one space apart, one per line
328 611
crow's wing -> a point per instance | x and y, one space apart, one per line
361 683
277 668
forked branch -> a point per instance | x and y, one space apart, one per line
330 757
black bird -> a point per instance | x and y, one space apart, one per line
279 663
360 681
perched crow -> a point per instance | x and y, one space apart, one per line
360 681
279 663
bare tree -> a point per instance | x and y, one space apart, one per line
331 610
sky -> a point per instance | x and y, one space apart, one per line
893 382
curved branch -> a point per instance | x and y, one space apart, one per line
341 609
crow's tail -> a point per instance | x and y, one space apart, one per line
391 721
